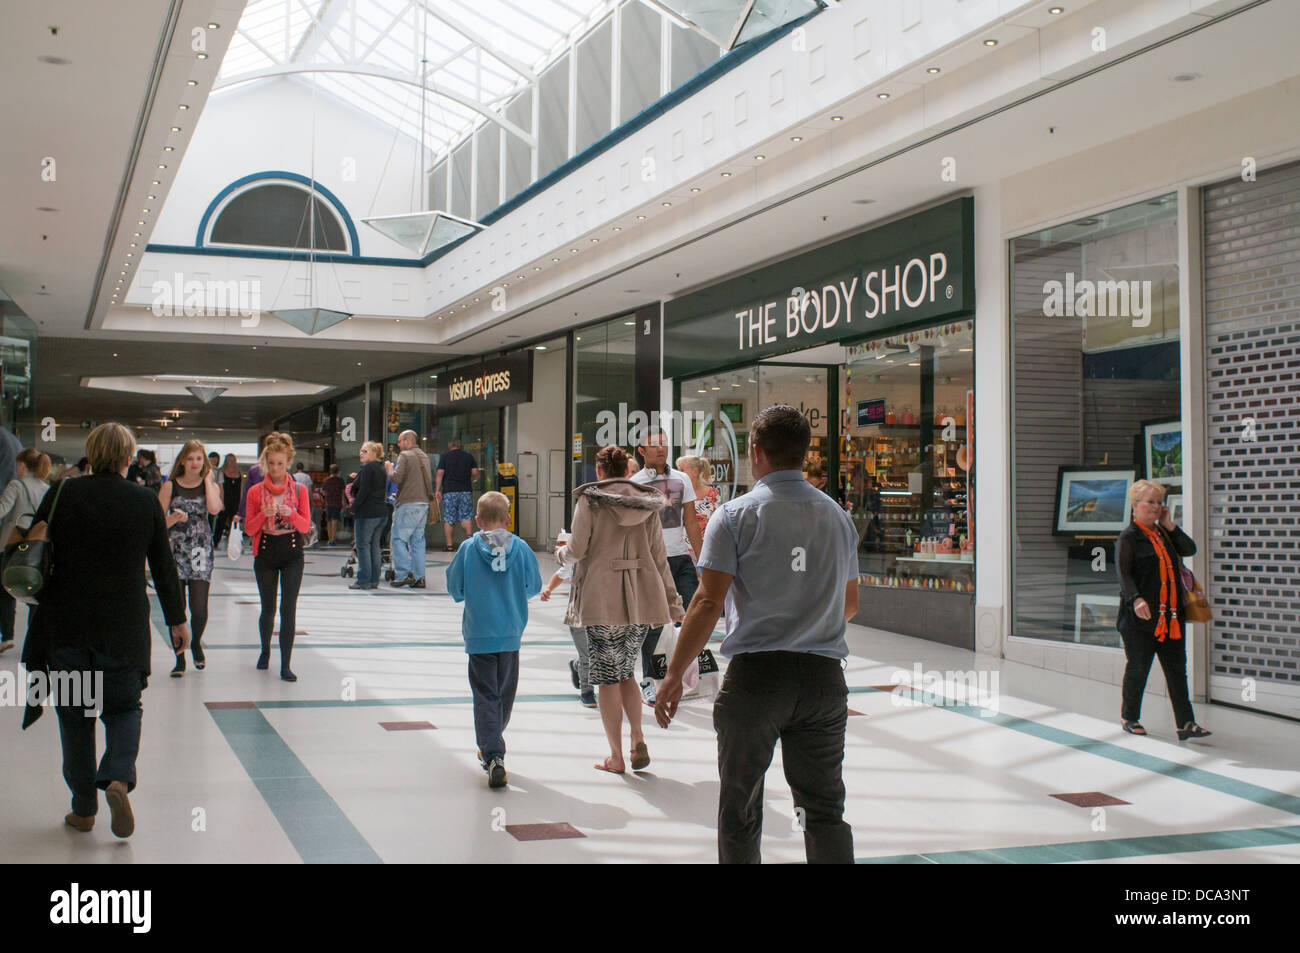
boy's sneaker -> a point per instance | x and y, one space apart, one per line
648 691
497 773
589 699
573 672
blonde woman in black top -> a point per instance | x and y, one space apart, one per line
1148 555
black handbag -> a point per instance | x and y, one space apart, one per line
27 562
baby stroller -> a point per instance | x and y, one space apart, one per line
349 569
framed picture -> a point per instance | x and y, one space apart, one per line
1092 502
1162 443
1094 619
734 412
742 437
1175 503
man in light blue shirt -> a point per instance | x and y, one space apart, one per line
783 560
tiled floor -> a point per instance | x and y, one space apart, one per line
307 771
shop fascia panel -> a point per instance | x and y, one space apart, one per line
596 196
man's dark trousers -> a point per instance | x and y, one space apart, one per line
802 700
687 581
121 714
493 680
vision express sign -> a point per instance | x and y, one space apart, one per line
916 270
490 382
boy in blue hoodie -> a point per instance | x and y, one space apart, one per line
495 574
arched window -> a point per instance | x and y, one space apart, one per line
277 215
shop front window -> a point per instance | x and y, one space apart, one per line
604 387
1095 406
907 453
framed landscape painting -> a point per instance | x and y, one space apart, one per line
1162 443
1092 502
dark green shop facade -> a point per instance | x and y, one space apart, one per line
872 338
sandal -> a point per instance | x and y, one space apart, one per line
604 766
1133 727
640 757
1192 730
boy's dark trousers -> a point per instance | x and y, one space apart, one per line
801 700
493 678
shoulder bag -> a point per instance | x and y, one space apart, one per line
27 563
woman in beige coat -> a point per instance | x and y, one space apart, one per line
621 588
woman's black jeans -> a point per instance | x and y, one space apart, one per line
279 564
1140 648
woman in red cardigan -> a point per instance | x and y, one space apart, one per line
278 516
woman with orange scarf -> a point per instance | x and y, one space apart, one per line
1147 557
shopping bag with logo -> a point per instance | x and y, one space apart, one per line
701 678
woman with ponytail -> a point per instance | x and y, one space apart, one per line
278 517
1148 554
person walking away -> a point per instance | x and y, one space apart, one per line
621 587
495 574
232 482
93 621
188 497
454 488
301 476
18 504
1148 555
414 490
332 491
783 559
579 668
369 512
279 516
681 532
254 478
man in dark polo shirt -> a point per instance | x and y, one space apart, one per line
782 558
457 471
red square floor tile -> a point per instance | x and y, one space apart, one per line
222 706
889 688
248 602
543 831
296 632
1089 799
407 725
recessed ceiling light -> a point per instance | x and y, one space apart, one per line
695 189
618 228
837 118
161 166
555 259
203 56
133 244
191 82
540 347
115 353
121 272
1056 11
990 42
882 95
129 254
595 241
135 234
628 323
715 387
667 204
151 197
213 26
1186 77
183 106
864 201
702 391
932 70
168 149
796 138
145 210
640 218
537 267
476 300
760 157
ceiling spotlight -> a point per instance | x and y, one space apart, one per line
555 259
139 223
1186 77
571 250
133 244
183 106
521 276
537 267
145 210
168 149
932 70
176 128
151 197
990 42
760 157
695 189
618 228
203 56
595 241
882 95
796 138
640 218
837 118
667 204
161 166
213 26
135 234
1056 11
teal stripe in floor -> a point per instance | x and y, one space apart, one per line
319 831
466 699
1147 762
1111 849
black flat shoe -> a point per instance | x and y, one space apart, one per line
1192 730
179 668
200 661
263 661
1133 727
288 677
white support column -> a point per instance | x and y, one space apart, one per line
573 102
473 177
616 64
992 444
665 55
1191 360
501 170
535 151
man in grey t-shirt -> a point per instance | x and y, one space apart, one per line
783 560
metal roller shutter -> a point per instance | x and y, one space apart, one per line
1252 337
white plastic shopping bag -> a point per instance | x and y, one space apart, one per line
235 546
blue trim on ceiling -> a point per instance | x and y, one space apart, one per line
292 177
699 81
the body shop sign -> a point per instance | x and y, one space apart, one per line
490 382
912 271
